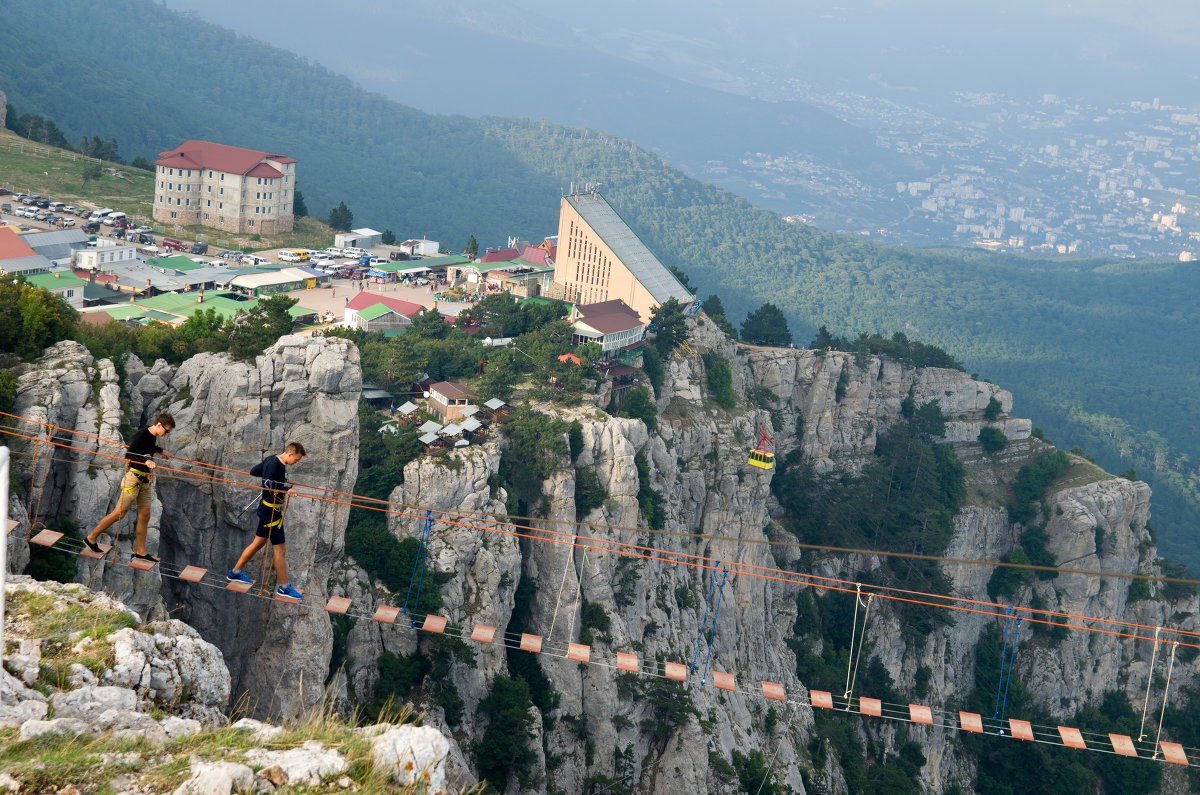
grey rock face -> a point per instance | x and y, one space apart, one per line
231 415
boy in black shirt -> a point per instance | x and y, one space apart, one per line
135 486
273 471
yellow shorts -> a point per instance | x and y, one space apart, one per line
133 490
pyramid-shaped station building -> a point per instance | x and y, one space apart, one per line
599 258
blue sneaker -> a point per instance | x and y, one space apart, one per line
237 575
289 592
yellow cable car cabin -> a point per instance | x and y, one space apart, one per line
762 459
760 456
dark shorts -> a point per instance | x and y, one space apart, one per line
266 518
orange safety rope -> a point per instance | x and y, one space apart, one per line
696 560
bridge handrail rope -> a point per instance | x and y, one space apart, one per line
683 558
1046 735
698 536
680 558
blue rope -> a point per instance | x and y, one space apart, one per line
704 621
716 611
419 563
1012 659
1003 657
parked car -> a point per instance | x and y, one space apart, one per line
91 226
334 252
141 229
44 215
421 281
43 203
6 208
67 222
4 191
199 247
171 244
70 208
145 238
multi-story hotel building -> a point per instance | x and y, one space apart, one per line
599 258
226 187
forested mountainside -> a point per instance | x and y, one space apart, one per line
1101 353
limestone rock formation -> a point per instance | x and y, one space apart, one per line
229 416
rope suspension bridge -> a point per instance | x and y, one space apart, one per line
1146 746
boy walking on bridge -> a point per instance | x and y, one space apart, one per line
273 472
135 486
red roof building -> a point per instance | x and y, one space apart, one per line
244 191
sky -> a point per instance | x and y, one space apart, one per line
920 51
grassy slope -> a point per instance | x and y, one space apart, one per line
1099 353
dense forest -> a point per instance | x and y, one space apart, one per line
1098 353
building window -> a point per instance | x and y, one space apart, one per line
250 222
220 219
206 216
172 214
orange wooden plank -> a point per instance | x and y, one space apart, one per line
627 662
870 706
676 671
821 698
1173 753
773 690
920 714
579 652
88 553
286 599
724 681
970 722
189 573
46 538
143 565
483 633
386 614
434 624
531 643
337 604
1020 729
239 586
13 524
1122 744
1071 738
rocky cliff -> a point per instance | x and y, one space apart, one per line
229 416
606 727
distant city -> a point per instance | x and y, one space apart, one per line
1051 176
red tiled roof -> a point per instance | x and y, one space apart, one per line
611 322
451 389
606 308
500 255
365 300
95 318
12 246
264 170
218 157
536 256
